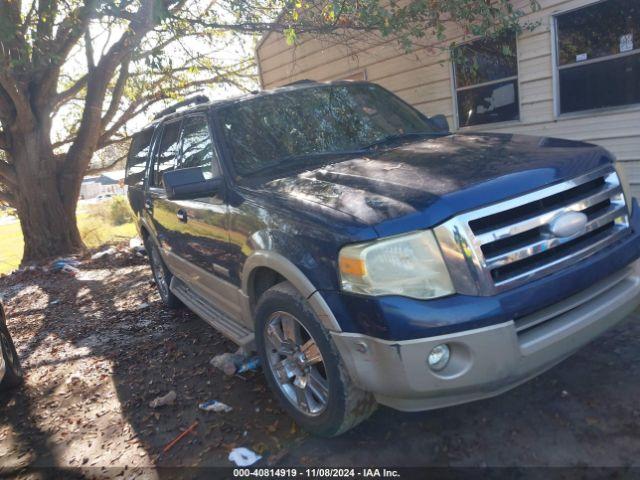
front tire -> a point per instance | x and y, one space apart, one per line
303 367
162 277
13 375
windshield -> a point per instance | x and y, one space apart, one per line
301 125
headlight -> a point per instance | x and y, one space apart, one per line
625 187
408 265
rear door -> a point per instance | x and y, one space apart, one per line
161 211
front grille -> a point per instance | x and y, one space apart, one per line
512 242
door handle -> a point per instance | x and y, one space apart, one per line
182 215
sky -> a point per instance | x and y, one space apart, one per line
234 48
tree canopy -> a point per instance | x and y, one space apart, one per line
75 75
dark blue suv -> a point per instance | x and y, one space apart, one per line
371 256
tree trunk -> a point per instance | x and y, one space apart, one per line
45 201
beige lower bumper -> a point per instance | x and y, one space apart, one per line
487 361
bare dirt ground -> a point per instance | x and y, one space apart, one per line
99 346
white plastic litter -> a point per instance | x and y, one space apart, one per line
105 253
135 242
136 246
70 269
243 457
215 406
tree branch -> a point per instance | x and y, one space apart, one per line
132 111
118 90
68 34
70 92
105 168
7 174
88 47
89 132
7 198
7 111
15 93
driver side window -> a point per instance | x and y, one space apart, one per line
197 147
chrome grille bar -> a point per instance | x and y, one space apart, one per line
614 211
562 262
509 243
607 191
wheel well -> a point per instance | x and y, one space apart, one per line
262 279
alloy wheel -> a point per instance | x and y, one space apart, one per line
158 272
296 363
9 354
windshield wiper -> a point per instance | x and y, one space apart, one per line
400 136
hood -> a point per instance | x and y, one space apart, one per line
423 183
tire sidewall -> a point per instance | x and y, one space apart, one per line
13 374
329 421
156 253
171 301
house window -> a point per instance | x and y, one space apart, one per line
599 56
486 80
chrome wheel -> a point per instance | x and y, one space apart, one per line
158 273
296 363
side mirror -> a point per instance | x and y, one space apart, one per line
188 183
440 121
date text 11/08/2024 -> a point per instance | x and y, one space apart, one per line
316 473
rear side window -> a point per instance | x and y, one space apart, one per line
167 155
197 148
137 159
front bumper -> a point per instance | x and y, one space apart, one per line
490 360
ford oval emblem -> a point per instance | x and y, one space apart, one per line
569 224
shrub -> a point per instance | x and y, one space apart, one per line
119 212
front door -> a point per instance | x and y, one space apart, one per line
201 234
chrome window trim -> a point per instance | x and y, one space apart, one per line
471 271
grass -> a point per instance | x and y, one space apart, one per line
94 224
11 247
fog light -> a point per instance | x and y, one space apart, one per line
439 357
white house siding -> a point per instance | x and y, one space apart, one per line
424 79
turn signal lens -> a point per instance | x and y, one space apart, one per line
352 266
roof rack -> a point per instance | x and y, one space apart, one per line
300 82
197 100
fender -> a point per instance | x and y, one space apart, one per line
288 270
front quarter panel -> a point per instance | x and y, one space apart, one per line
294 242
307 238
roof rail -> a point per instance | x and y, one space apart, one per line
300 82
197 100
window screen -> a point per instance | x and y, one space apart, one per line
138 156
167 155
486 76
197 148
599 56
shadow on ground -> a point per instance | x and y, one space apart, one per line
99 347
